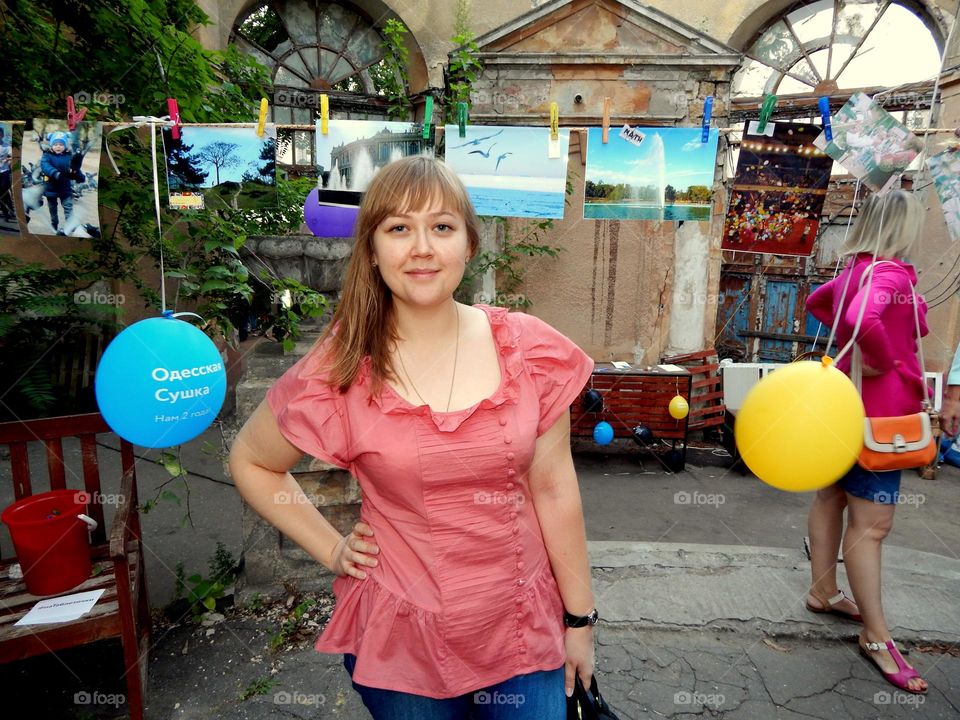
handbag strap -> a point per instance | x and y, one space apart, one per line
856 364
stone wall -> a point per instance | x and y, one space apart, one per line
272 563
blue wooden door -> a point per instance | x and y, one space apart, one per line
779 310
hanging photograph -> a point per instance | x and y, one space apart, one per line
945 170
649 174
9 228
352 151
509 171
778 192
59 174
870 143
221 167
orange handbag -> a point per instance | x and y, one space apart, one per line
897 443
900 442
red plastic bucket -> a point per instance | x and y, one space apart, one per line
49 533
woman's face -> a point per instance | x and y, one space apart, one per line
421 255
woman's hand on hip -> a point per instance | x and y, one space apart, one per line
580 657
354 552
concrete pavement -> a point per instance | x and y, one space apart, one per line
699 576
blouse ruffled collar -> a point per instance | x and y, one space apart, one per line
506 338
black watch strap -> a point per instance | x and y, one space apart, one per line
579 621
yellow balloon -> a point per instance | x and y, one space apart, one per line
678 407
801 427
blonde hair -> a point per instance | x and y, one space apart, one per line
888 225
364 323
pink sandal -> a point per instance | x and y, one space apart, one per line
898 679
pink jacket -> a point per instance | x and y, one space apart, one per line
887 336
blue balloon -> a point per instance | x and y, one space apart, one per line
160 382
602 433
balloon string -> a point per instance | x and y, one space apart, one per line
843 295
866 293
156 203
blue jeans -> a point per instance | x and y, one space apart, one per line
536 696
881 487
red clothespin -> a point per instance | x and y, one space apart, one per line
174 112
73 117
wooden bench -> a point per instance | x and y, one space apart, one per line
632 397
122 611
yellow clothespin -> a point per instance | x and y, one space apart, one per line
324 114
606 120
553 149
261 121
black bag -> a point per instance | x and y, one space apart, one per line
584 705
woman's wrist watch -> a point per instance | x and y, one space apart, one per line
579 621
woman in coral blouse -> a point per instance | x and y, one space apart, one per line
886 229
464 590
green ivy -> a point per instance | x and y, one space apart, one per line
462 72
393 80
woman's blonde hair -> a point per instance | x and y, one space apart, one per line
887 225
364 323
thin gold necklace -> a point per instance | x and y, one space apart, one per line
453 377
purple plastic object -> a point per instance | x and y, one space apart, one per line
333 221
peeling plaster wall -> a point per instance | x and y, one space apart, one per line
689 302
610 288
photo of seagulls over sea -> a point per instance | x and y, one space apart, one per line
508 171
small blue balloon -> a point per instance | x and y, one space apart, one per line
602 433
160 382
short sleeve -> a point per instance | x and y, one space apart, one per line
559 369
311 414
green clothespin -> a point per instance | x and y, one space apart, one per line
769 102
427 117
462 118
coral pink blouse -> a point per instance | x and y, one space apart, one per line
463 596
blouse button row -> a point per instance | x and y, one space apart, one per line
503 421
508 440
510 456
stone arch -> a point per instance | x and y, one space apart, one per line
811 55
374 12
767 13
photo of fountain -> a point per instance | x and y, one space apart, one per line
352 152
649 174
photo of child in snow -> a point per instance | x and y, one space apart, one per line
59 172
8 212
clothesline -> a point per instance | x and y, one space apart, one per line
285 126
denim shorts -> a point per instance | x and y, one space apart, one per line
882 487
535 696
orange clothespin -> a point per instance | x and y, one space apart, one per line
73 117
262 120
324 114
553 148
606 120
174 112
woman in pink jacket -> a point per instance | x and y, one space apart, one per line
892 385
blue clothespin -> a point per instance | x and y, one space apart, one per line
824 104
707 114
